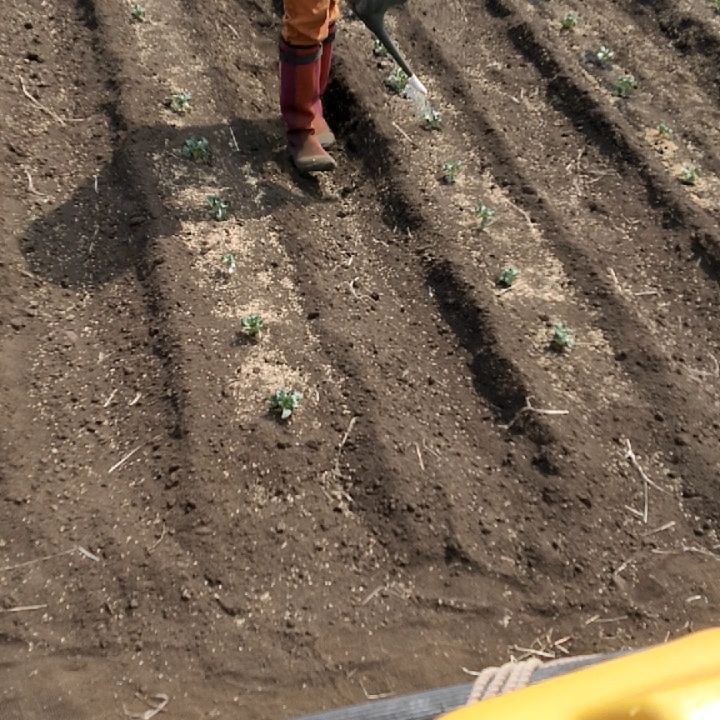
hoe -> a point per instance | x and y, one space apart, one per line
372 13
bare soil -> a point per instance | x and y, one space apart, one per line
161 532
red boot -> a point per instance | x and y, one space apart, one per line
300 105
323 132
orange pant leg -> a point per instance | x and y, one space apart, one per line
307 22
334 12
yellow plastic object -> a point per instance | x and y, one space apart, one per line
676 681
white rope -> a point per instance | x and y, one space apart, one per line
495 681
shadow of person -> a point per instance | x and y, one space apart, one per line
104 227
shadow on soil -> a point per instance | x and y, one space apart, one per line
112 221
496 380
103 230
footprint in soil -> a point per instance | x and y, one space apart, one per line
111 220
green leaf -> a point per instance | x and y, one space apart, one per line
451 169
179 102
507 277
604 56
218 207
137 13
285 402
251 325
624 86
230 263
196 149
485 214
562 337
379 50
397 81
689 175
569 21
665 130
432 120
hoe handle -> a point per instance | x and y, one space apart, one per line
372 13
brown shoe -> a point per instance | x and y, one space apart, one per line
307 153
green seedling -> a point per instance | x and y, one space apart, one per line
604 56
285 402
251 325
218 207
196 149
716 6
397 81
507 277
450 171
179 102
485 215
664 130
568 21
624 86
562 338
230 263
689 175
432 119
137 13
379 50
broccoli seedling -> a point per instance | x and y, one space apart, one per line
562 338
507 277
137 13
716 6
196 149
179 102
379 50
218 207
604 56
689 175
450 171
485 215
285 402
230 263
251 325
624 86
568 21
664 130
397 81
432 120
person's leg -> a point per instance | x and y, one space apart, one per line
305 26
328 43
323 131
307 22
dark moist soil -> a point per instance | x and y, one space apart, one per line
162 532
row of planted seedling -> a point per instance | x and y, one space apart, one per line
624 87
562 337
283 402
